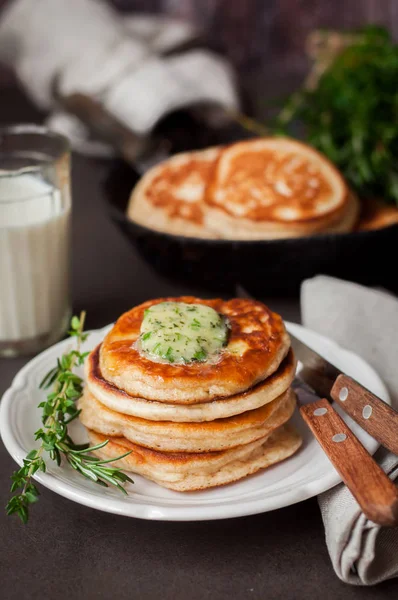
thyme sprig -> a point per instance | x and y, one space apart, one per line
59 410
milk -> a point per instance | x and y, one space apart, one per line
34 259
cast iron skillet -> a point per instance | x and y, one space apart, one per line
263 267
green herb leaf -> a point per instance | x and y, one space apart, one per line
169 355
195 324
200 355
58 410
75 323
350 112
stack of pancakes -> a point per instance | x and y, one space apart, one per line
197 425
258 189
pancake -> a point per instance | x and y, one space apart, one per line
376 215
256 346
265 188
170 196
188 472
118 400
168 436
245 229
278 187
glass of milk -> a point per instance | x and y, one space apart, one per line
35 208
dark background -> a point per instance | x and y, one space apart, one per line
264 39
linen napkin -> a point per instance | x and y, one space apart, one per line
365 321
131 65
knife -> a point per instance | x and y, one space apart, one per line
368 410
375 493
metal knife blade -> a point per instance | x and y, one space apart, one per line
305 394
316 371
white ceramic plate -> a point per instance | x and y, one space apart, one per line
304 475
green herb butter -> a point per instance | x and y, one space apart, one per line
181 333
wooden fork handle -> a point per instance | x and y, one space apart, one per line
375 493
371 413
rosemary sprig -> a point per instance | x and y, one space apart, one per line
59 409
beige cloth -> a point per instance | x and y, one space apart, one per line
85 46
366 321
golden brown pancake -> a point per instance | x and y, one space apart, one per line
257 344
118 400
265 188
168 436
244 229
188 472
376 215
278 187
170 196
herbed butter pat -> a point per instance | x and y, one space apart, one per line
180 333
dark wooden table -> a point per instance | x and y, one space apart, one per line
68 551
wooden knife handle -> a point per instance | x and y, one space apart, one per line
375 493
371 413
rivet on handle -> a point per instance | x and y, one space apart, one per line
375 416
343 395
339 437
367 411
319 412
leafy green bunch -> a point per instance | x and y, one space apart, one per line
351 114
58 411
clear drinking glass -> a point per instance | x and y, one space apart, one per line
35 209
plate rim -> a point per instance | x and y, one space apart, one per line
150 511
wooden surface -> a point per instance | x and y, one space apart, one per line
371 413
376 494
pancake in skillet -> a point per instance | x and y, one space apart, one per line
167 436
170 196
118 400
256 345
376 215
188 472
276 188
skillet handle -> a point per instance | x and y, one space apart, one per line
371 413
375 493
